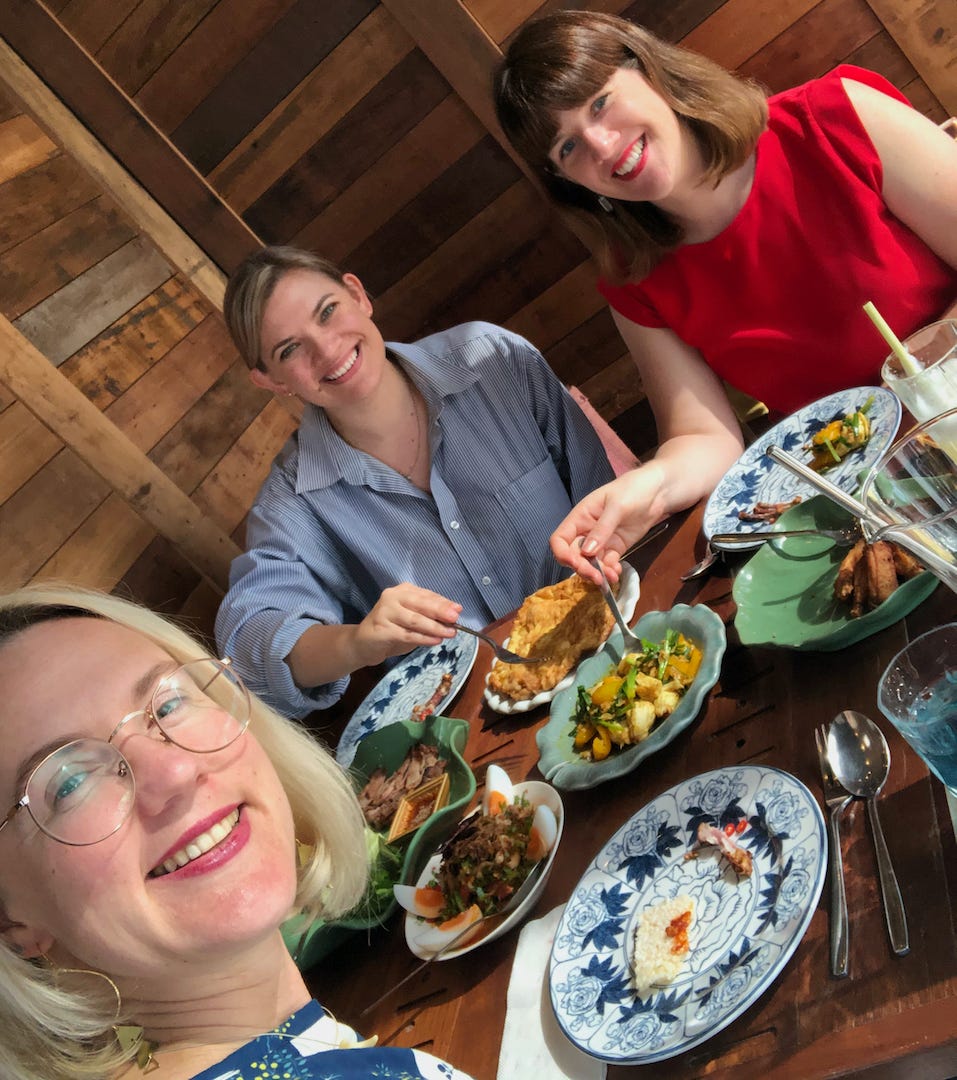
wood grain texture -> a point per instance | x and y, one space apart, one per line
87 150
37 198
557 310
101 549
267 75
22 146
318 103
108 366
26 445
79 424
446 205
146 38
670 21
39 265
808 48
926 31
919 95
229 489
92 22
37 519
433 145
740 28
166 393
91 302
113 119
397 102
223 40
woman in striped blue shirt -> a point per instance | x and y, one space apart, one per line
420 488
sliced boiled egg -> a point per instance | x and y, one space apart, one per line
435 936
425 902
543 834
499 792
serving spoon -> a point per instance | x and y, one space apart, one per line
861 761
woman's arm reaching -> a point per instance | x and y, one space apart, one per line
699 438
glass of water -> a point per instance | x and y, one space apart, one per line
928 384
918 694
912 491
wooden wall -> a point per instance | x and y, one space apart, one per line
362 129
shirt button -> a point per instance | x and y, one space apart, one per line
453 524
486 581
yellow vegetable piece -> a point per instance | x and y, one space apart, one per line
604 693
584 733
684 667
601 745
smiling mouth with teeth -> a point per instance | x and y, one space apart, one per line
334 376
198 846
631 161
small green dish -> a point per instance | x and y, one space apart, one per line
387 749
560 763
785 594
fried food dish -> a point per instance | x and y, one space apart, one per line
769 512
562 622
869 573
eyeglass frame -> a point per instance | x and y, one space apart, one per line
225 664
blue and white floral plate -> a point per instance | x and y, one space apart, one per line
411 682
754 477
744 931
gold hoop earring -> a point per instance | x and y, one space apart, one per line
58 971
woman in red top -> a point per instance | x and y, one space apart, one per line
738 237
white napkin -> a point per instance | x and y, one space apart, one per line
533 1044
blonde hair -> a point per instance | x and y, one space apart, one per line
561 60
252 284
49 1033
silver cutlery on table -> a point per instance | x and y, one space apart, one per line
631 642
503 654
861 758
836 798
516 899
847 536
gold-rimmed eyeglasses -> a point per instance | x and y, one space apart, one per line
83 791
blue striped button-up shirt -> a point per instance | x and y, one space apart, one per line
332 527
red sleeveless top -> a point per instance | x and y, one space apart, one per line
773 303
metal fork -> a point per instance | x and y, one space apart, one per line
846 537
503 654
836 798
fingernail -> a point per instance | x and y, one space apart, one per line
590 547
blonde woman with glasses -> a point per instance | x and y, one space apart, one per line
150 810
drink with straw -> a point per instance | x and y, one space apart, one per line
922 369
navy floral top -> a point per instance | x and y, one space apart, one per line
311 1045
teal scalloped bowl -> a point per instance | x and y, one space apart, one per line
557 758
387 749
785 594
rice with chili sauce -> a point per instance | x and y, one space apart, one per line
662 941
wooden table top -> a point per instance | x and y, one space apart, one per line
894 1016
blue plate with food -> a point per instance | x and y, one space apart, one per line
422 683
619 711
840 435
688 914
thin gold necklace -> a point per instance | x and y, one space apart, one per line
418 428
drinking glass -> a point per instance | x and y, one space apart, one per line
932 389
912 490
918 694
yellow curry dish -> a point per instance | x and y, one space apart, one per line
624 705
839 438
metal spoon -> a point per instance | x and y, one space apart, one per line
861 760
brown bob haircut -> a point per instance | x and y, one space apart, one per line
560 61
251 286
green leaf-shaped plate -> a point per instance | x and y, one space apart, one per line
558 760
785 594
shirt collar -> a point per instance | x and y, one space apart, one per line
325 458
